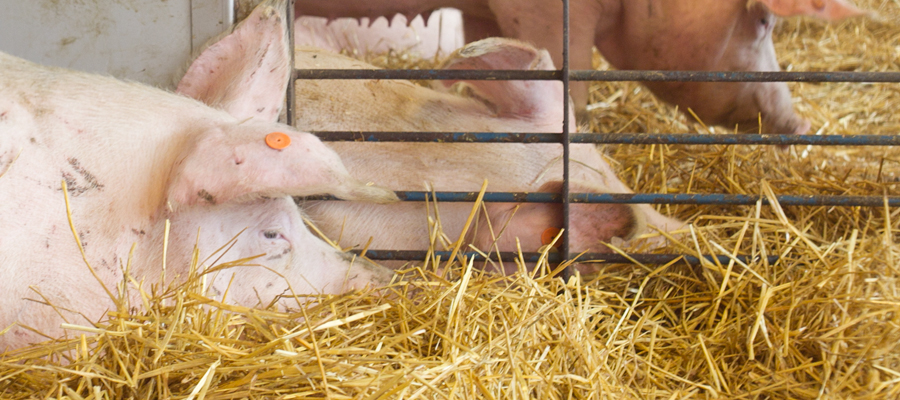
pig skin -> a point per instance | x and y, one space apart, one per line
475 106
715 35
133 157
479 106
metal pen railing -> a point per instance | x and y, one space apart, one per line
565 75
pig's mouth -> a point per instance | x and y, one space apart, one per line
377 275
762 121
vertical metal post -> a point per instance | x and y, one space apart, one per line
289 98
567 272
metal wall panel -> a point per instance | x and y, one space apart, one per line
144 40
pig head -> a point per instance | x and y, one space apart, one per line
712 35
133 157
395 105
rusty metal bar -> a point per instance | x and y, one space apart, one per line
613 138
640 198
611 76
289 100
381 255
564 240
427 74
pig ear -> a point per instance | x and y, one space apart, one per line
590 224
221 166
528 99
246 72
830 10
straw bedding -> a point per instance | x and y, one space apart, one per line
821 322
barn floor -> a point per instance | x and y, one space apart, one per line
822 322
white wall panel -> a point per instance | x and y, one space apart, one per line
142 40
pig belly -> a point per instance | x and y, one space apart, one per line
39 259
37 248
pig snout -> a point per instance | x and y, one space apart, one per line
768 104
777 111
741 105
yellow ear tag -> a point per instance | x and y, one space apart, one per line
278 140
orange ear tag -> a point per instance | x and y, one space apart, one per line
548 236
278 140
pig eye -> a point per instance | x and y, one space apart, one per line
271 234
764 21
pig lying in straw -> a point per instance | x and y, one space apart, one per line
133 157
714 35
389 105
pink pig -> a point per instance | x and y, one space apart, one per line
134 157
480 106
713 35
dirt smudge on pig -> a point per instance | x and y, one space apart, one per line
208 197
75 187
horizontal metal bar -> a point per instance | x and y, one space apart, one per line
641 198
382 255
612 138
591 75
735 76
428 74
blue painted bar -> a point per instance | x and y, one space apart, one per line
641 198
590 75
412 255
614 138
735 76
